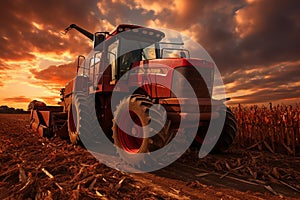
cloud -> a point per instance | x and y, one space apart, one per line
3 66
49 100
17 99
33 25
55 76
156 7
270 95
265 83
3 74
117 12
269 32
237 33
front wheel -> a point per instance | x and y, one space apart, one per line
131 131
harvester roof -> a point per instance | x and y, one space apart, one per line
138 32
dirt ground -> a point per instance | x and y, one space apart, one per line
39 168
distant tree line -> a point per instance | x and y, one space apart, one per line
9 110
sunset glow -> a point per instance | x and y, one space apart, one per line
255 44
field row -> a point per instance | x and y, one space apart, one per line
275 128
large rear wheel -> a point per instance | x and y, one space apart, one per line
227 135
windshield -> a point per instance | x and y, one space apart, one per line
172 46
151 46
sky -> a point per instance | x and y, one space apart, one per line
254 43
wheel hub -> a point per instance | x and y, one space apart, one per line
130 142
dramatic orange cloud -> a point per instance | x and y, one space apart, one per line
55 76
17 99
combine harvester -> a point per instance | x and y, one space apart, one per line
148 59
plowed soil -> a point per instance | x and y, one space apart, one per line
32 167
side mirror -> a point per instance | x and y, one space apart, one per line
98 38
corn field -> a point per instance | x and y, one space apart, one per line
272 128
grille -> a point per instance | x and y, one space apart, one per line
201 82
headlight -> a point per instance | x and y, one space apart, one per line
147 70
